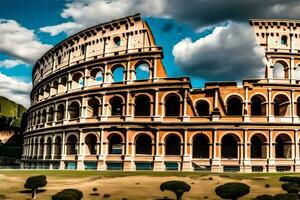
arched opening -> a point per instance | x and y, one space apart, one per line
44 116
143 144
172 105
280 70
54 87
115 144
116 105
281 105
284 40
41 146
77 81
258 146
298 107
96 77
142 71
142 106
229 148
57 147
62 87
91 144
258 105
36 146
234 105
48 148
50 114
47 91
173 145
201 146
93 107
60 112
202 108
297 72
118 73
38 116
74 110
71 145
117 41
283 146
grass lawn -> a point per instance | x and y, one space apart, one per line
134 185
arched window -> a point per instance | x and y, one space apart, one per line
280 70
77 81
173 145
143 144
298 107
38 116
142 106
117 41
258 146
55 87
97 77
118 73
281 105
115 144
172 105
116 104
284 40
41 146
48 148
47 91
201 146
62 87
258 106
142 71
234 105
93 107
74 110
229 148
44 116
57 147
60 112
36 146
202 108
50 114
71 145
283 147
91 144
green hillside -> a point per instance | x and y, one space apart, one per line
10 113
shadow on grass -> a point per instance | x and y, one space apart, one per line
164 198
94 194
29 191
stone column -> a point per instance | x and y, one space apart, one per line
155 78
271 160
80 151
158 158
104 109
101 165
186 163
246 160
156 102
63 151
270 103
216 164
185 117
128 161
246 114
128 114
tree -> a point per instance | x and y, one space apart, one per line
68 194
232 190
34 182
291 184
178 187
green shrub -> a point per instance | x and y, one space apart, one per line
34 183
289 196
106 195
2 196
264 197
68 194
178 187
232 190
291 184
267 185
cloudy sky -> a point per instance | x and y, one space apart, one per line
207 40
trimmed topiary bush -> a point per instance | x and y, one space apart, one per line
291 184
289 196
178 187
35 182
232 190
264 197
68 194
267 185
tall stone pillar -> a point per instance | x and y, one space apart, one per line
215 163
246 159
271 157
128 160
187 162
101 164
158 158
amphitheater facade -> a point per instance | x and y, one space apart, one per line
101 100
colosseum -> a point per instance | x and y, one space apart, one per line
101 100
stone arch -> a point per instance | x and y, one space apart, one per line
51 114
281 105
41 147
142 70
234 104
143 144
72 144
55 87
280 69
77 80
258 146
62 86
74 110
172 104
97 76
173 144
117 72
230 146
44 116
142 105
91 144
47 91
57 147
200 146
202 107
258 105
60 112
48 147
298 106
115 143
283 146
93 109
116 105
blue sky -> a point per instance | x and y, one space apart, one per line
195 35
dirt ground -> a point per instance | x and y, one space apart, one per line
137 187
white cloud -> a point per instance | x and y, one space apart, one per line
19 42
230 52
15 89
8 63
68 27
